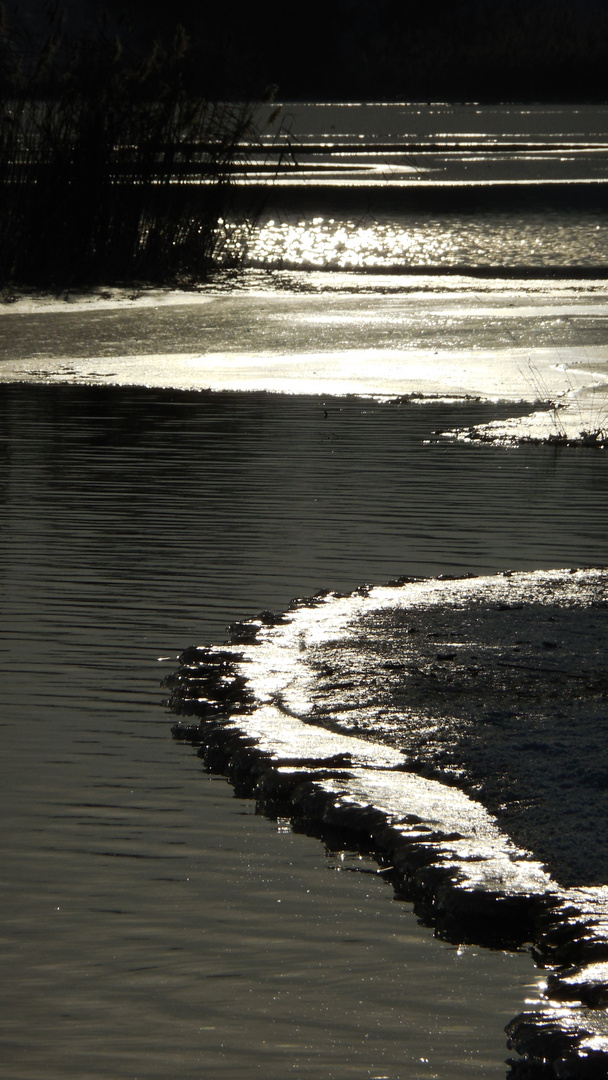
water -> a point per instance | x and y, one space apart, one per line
408 146
402 241
152 925
141 925
403 187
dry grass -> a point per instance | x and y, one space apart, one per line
109 169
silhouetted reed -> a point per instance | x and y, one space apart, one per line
109 169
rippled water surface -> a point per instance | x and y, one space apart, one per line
410 146
151 925
403 241
400 186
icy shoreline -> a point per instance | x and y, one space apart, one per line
284 727
541 343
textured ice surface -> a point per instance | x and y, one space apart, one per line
361 713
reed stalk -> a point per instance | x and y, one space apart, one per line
109 169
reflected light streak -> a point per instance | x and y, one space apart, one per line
347 244
413 241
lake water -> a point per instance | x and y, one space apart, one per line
402 187
153 926
410 146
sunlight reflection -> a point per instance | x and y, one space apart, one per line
346 244
343 243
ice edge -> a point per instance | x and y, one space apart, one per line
438 847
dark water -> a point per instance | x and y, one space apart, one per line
152 926
412 146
